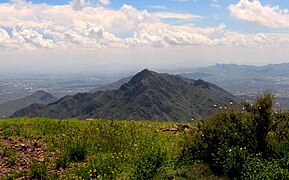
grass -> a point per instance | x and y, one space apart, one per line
100 149
11 155
38 171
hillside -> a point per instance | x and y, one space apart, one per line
112 86
40 97
41 148
147 96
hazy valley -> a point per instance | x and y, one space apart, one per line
242 81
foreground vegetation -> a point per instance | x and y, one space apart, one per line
231 144
96 149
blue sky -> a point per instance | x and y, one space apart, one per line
136 33
212 12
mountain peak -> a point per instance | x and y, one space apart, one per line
202 83
43 95
142 75
138 78
38 93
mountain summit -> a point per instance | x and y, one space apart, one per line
147 96
40 96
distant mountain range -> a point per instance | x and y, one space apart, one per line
40 97
247 81
234 71
146 96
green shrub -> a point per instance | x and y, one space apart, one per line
62 161
77 151
278 135
262 110
38 171
229 160
103 166
229 137
230 127
148 164
74 150
258 169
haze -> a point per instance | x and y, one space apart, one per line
104 35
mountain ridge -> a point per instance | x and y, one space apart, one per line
147 96
39 96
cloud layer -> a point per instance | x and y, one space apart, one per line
255 12
84 25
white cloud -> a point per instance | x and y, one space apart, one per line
5 40
79 4
31 39
105 2
162 35
255 12
158 7
80 26
170 15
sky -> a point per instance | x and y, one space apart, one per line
114 35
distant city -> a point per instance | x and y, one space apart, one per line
14 86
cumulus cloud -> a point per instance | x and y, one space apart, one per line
80 4
81 26
5 40
105 2
265 15
162 35
170 15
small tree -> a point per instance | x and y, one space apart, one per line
262 110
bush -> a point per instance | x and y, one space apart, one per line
76 150
230 137
148 165
229 160
278 135
38 171
262 110
258 168
99 168
61 161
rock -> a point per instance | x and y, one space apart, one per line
187 130
176 128
164 128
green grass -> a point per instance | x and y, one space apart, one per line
11 155
102 149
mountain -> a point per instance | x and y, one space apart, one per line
247 81
147 96
40 96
